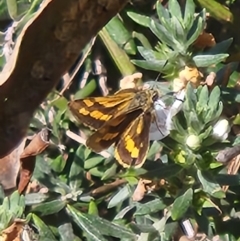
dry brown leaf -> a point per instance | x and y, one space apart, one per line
144 186
46 49
13 232
140 190
188 74
205 40
38 144
9 167
130 81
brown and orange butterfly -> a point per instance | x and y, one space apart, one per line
123 119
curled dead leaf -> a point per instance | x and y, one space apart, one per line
13 232
205 40
144 186
9 167
37 145
188 74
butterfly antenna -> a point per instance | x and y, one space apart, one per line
160 74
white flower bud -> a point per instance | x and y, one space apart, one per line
221 130
193 142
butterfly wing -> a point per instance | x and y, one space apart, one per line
111 131
96 111
131 149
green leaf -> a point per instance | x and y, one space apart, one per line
110 172
92 224
151 55
58 164
206 60
142 39
140 19
155 65
165 171
219 47
163 34
209 185
181 204
162 12
35 198
66 232
92 208
150 207
44 231
119 197
17 204
119 56
118 32
217 10
87 90
196 28
76 173
92 232
93 161
202 99
174 9
48 208
189 13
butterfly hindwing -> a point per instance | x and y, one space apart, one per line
131 149
111 131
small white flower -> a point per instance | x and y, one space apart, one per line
158 129
193 142
163 124
221 130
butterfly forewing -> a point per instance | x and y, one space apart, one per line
96 111
132 147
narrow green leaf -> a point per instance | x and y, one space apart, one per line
174 9
142 39
119 197
118 32
150 207
219 47
87 90
181 204
66 232
35 198
92 208
202 99
58 163
162 12
48 208
85 224
140 19
206 60
162 34
151 55
119 56
165 171
155 65
93 161
217 10
210 185
44 231
189 13
196 29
